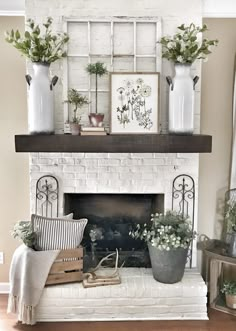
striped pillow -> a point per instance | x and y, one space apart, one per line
57 233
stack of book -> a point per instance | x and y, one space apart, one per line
92 131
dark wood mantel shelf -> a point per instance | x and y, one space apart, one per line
154 143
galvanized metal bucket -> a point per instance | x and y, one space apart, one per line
168 266
232 245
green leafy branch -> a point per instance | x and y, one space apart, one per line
184 47
43 48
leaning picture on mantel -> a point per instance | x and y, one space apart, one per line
134 102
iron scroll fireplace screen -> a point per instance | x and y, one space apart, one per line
183 201
47 192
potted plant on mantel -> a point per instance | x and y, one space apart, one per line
97 69
183 49
168 237
41 49
229 288
78 100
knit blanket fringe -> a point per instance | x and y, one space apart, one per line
26 314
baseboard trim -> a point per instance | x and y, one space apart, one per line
4 288
216 14
12 13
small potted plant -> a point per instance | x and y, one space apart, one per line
77 100
229 288
42 47
97 69
168 237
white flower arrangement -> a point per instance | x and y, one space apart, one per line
166 231
185 47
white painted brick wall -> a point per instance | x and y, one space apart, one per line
113 173
116 173
172 13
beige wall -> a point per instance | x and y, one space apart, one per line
14 167
216 119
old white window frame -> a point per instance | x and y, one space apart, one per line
109 20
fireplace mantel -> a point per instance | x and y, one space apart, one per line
153 143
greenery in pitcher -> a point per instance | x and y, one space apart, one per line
78 100
23 230
230 216
185 47
229 287
165 231
37 46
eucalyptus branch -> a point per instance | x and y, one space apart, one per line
185 47
43 48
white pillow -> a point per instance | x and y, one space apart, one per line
57 233
68 216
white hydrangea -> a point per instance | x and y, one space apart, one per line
180 59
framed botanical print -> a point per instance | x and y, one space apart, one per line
134 102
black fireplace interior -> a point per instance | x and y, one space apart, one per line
110 219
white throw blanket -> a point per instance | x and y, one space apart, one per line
28 274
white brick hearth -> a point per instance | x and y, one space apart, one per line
138 297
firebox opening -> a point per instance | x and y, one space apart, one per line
110 219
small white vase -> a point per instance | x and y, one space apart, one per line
40 100
181 100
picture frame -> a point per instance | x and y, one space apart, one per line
134 102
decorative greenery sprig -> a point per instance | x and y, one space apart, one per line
230 216
166 231
97 69
23 231
184 47
44 48
78 100
229 287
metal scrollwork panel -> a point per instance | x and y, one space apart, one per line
183 201
47 192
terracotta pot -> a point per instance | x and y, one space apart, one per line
75 129
96 119
230 301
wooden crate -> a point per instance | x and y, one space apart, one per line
67 268
216 260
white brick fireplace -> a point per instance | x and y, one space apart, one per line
116 173
113 172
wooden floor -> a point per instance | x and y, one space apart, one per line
218 322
